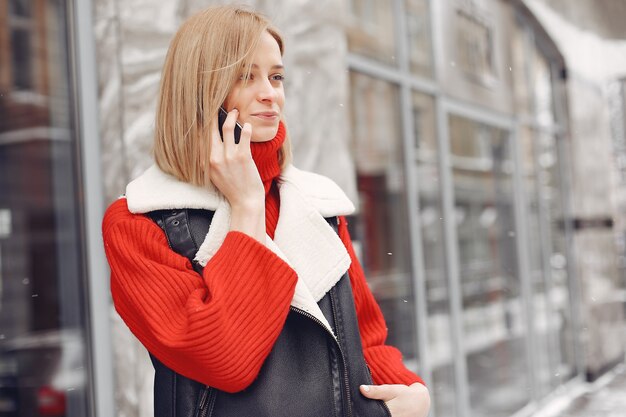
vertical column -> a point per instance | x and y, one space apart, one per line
412 188
92 190
449 227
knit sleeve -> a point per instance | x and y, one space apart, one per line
217 328
385 361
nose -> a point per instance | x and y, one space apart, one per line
266 91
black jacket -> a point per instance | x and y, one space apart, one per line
309 373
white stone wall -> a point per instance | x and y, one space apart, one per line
596 255
132 38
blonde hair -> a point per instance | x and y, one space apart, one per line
204 60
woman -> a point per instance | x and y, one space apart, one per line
269 313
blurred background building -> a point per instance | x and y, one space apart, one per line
483 141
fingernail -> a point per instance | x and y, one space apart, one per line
366 388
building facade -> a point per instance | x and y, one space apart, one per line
486 175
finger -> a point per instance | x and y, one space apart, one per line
246 135
380 392
229 129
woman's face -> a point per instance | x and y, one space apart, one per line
260 101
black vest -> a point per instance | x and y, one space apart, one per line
308 373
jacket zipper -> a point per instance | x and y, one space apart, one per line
343 358
204 406
345 376
384 404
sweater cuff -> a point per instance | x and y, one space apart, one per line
386 365
240 255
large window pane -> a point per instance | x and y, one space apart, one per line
419 37
554 336
545 347
21 8
520 51
560 321
544 103
494 328
443 390
43 348
372 31
475 44
22 57
382 222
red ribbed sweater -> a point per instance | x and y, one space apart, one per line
219 328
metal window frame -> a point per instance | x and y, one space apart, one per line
574 285
559 129
412 185
442 105
504 122
445 106
82 53
406 85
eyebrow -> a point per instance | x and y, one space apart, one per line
277 66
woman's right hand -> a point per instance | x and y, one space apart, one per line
234 173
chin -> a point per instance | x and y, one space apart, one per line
264 133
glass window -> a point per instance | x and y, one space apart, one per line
22 8
43 319
493 318
543 90
419 37
443 389
544 348
554 351
560 319
22 57
372 30
425 132
520 62
475 44
381 225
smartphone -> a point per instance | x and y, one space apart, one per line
221 118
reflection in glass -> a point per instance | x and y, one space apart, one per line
371 32
443 389
21 56
474 39
554 355
20 8
494 328
382 223
560 320
425 134
544 349
543 90
43 363
419 38
520 58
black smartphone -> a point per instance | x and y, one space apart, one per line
221 118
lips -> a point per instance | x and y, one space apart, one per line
266 114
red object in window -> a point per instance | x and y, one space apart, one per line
50 402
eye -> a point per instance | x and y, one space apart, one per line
244 77
277 77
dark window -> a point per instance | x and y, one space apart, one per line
22 52
21 8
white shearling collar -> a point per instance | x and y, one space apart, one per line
302 237
156 190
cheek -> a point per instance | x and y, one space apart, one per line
231 101
281 99
229 104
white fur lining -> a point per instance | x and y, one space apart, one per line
302 238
